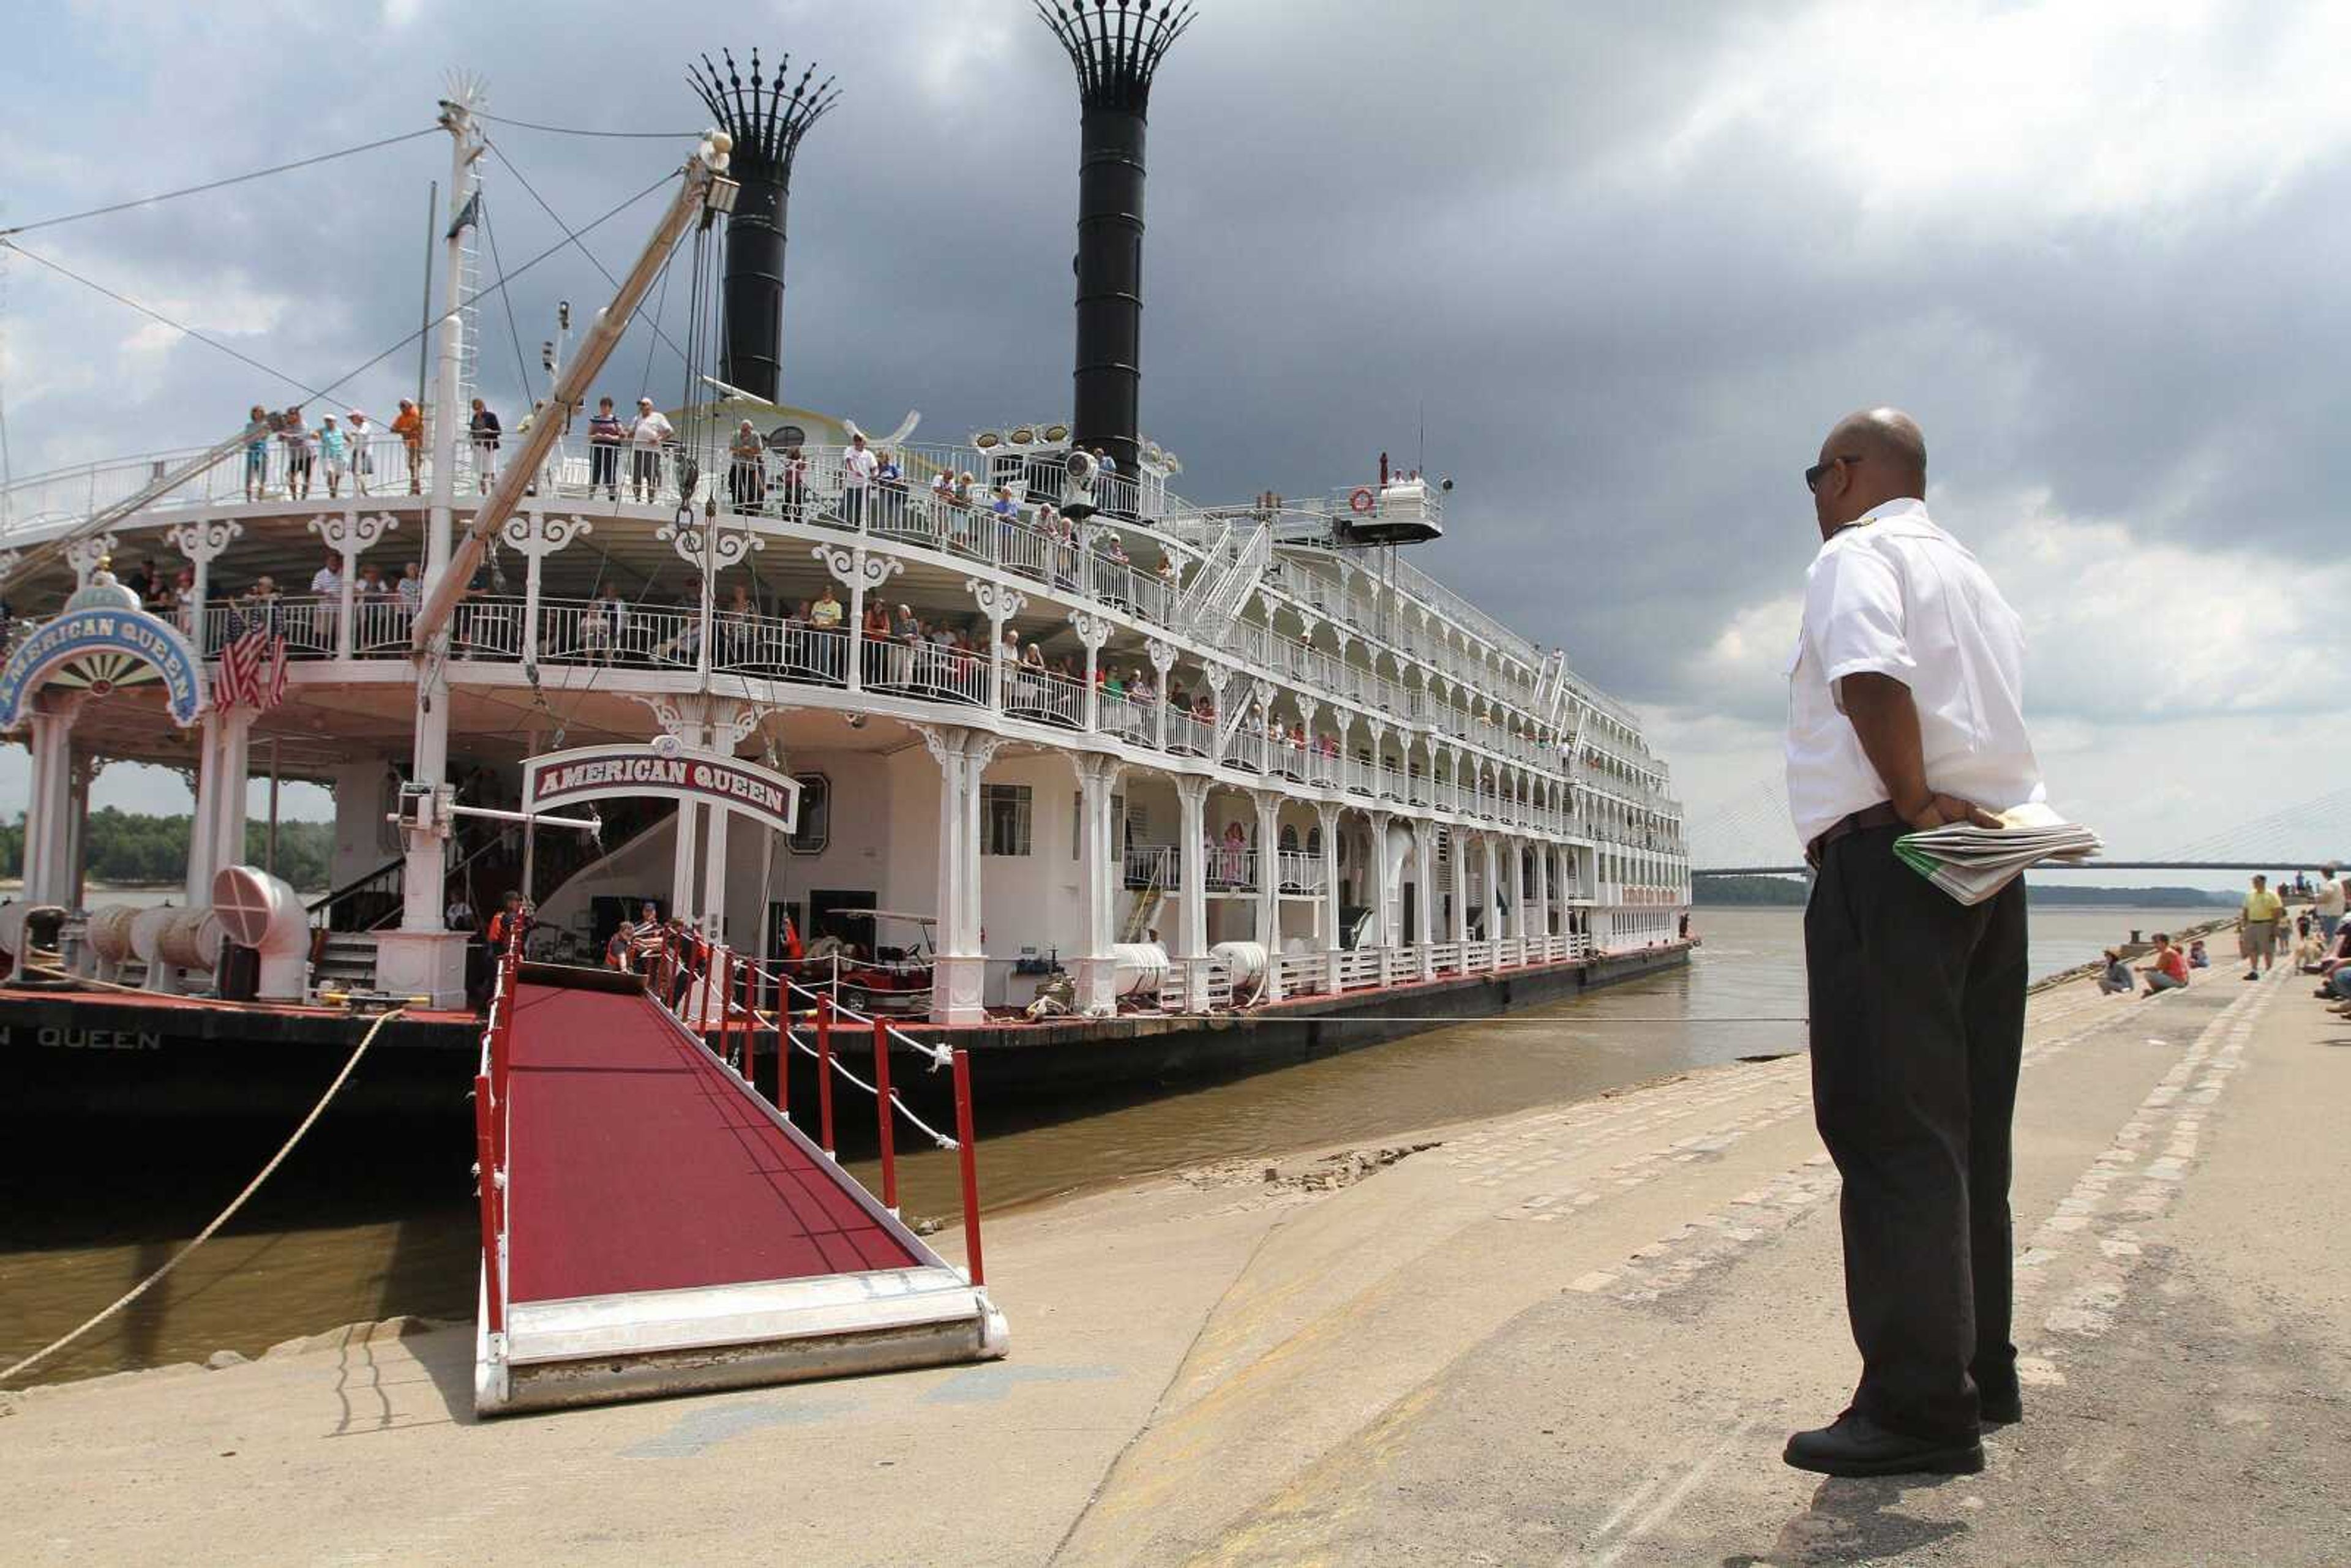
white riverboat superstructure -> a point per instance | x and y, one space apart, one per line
1063 720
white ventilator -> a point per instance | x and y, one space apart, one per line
260 912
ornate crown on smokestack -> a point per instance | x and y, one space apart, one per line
1116 47
767 117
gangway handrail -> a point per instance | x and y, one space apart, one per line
711 973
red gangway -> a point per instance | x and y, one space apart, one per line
652 1225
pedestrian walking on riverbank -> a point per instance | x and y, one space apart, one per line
1905 713
2258 921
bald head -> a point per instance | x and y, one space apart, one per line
1871 457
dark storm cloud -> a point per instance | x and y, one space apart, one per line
1622 335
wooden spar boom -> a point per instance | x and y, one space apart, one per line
704 181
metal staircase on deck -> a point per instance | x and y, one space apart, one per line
1233 555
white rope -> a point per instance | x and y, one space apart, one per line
941 1139
181 1256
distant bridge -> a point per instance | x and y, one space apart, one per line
2266 867
1755 822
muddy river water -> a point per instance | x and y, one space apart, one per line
360 1226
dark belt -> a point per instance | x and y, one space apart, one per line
1882 815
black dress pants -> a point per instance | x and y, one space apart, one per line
1918 1027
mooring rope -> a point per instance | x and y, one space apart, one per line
151 1281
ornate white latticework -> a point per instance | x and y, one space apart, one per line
538 534
349 532
203 540
855 567
998 601
727 546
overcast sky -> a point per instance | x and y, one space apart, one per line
1626 263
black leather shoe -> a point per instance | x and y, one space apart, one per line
1858 1445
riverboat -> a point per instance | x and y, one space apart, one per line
1167 784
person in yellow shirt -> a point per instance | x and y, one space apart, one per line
2257 926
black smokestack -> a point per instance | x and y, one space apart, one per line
767 118
1116 47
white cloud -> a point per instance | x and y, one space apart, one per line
2058 109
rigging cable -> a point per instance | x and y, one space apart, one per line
570 130
532 191
362 368
514 333
214 184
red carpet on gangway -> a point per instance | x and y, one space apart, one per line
637 1163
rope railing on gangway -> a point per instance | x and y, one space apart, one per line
707 987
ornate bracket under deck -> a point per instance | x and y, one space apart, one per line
1093 630
998 603
349 532
727 546
205 540
538 534
855 567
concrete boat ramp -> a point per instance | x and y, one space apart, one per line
1573 1335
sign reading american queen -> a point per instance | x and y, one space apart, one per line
678 773
100 650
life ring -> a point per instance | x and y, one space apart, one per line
1362 501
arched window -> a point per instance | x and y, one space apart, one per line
1289 839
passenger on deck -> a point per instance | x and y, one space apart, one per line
2169 972
2116 979
295 438
2198 958
256 454
606 436
361 435
334 453
408 425
484 431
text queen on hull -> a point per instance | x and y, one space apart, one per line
1142 754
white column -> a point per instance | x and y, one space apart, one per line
1542 890
714 871
535 536
1457 854
1268 889
49 814
999 604
959 968
1100 876
1493 916
199 827
1093 630
1423 898
1328 815
1192 924
1383 888
1163 659
681 901
228 829
858 569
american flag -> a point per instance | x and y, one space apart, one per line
253 663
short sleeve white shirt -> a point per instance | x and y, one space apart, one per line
1895 595
325 579
857 465
650 430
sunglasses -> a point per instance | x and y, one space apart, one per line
1818 471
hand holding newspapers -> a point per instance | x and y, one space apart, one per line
1972 864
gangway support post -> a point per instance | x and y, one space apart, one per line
969 1158
882 1105
824 1076
485 1154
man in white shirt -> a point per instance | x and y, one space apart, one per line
1905 711
647 437
857 468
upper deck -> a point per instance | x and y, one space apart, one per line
1260 610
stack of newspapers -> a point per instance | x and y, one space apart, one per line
1972 863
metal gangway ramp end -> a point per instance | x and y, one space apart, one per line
652 1226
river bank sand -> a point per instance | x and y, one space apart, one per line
1573 1334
